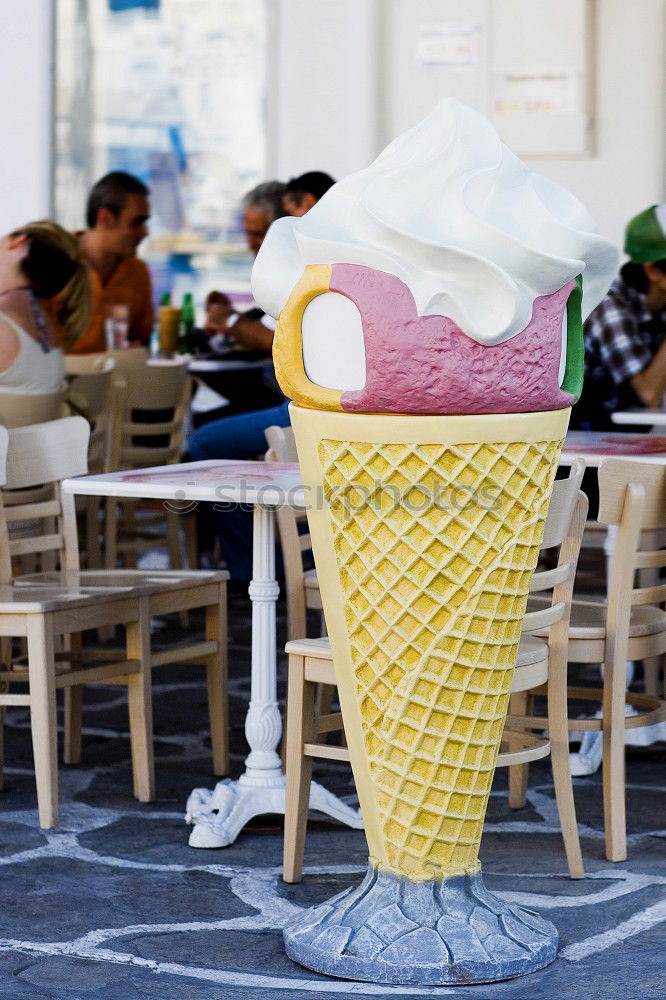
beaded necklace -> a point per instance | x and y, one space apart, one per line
42 332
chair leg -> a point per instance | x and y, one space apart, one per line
518 773
43 716
613 764
176 559
93 548
139 695
191 540
300 730
558 729
323 705
73 703
128 531
5 663
110 525
3 690
652 676
217 681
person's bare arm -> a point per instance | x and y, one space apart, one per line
650 384
251 334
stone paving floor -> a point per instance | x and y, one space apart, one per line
113 905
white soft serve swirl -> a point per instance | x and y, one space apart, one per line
449 210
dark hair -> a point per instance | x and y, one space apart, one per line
315 182
268 198
111 192
634 275
53 265
215 298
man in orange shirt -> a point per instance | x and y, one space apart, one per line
117 215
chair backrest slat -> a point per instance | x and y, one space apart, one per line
649 595
47 453
129 364
538 621
651 560
159 388
136 443
88 364
37 544
282 448
38 458
23 511
20 409
616 474
282 443
562 502
546 579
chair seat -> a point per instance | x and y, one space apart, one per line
56 591
531 651
588 620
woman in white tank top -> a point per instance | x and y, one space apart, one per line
37 262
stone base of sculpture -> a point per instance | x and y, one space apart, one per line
446 932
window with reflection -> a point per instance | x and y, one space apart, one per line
173 91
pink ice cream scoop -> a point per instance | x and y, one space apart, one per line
427 364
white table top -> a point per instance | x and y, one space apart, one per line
595 447
640 417
267 484
207 365
203 365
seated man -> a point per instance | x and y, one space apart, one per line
301 193
241 435
117 214
625 336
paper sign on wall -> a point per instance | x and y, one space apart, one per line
539 92
453 46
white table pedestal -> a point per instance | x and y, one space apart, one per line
220 815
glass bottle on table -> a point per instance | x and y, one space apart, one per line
116 326
187 324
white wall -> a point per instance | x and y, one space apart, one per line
345 80
626 170
26 68
326 75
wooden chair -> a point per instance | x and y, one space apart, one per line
301 585
125 364
539 660
137 444
49 452
548 618
629 625
20 409
98 395
59 607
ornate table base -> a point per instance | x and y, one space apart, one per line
220 815
393 930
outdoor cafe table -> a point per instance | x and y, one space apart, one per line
595 447
642 416
218 816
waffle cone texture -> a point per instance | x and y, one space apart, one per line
425 531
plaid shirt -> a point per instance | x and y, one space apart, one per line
621 338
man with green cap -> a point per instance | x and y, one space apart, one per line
625 336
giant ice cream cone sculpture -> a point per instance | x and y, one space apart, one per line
430 477
425 544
